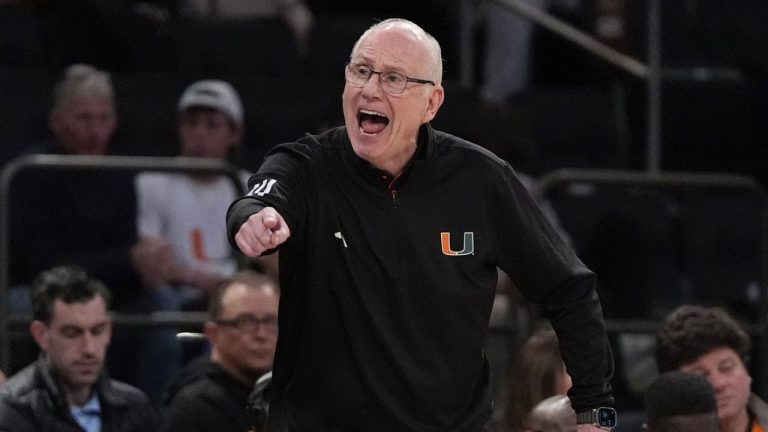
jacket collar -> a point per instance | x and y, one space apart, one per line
102 388
425 150
47 377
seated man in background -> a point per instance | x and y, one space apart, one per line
67 389
88 218
212 393
709 342
93 225
185 210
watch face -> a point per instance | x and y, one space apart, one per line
606 417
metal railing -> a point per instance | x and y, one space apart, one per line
578 181
71 162
651 72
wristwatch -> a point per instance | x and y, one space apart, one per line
603 417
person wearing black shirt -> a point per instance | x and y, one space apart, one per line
390 235
213 392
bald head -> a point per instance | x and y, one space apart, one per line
413 31
553 414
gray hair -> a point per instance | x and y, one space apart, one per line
82 80
433 46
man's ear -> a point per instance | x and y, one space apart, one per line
39 331
211 331
435 101
108 330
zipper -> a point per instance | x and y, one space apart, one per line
392 190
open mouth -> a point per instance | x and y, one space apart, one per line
371 122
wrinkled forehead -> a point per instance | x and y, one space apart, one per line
88 103
242 298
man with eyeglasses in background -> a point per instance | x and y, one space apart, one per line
389 275
212 392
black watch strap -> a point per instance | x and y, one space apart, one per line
585 417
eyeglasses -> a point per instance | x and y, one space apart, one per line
249 323
391 82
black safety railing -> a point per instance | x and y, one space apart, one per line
71 162
652 71
727 197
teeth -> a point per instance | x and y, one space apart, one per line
372 113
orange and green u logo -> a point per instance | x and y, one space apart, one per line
468 248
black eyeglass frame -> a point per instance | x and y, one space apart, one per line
407 78
243 322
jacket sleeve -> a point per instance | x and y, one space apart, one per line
280 182
548 272
151 201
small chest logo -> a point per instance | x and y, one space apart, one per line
467 248
340 236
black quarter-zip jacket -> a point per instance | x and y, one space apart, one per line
388 283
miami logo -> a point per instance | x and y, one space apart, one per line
467 248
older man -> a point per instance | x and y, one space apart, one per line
212 393
66 389
396 232
94 222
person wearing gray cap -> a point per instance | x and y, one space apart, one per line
186 209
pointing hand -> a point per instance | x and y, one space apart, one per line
262 231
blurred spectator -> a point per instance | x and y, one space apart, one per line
212 393
681 402
185 210
538 373
508 46
295 13
88 217
709 342
67 389
92 225
553 414
2 377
